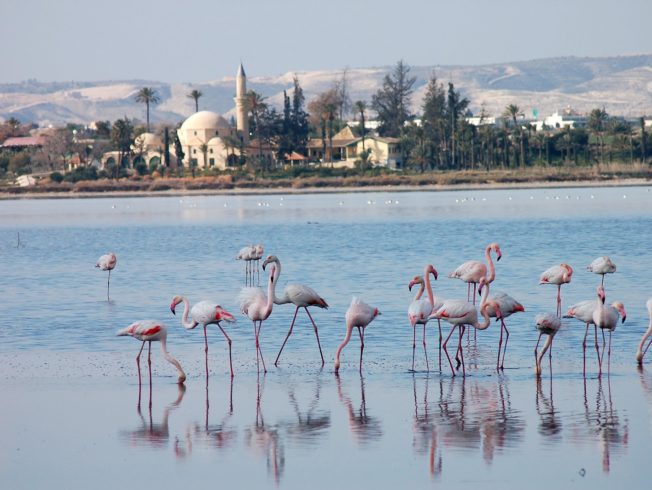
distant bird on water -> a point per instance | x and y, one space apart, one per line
204 313
107 262
359 315
640 352
602 266
557 275
300 296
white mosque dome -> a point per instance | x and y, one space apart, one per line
205 120
148 140
216 140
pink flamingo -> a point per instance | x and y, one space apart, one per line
204 313
558 275
420 309
602 265
258 307
107 262
300 296
583 311
640 352
605 317
151 331
462 313
548 324
472 270
507 306
359 315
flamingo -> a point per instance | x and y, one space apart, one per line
548 324
508 306
107 262
420 309
558 275
472 270
583 311
602 266
256 255
151 331
246 254
300 296
257 306
605 317
461 313
204 313
359 315
640 352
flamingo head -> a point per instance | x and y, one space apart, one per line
175 301
376 312
259 249
414 281
621 310
496 307
431 270
601 294
269 260
496 248
568 268
483 282
222 314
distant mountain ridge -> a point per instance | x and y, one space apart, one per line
622 84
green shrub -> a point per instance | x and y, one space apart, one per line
56 177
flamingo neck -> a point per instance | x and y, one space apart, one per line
483 309
279 300
347 337
431 296
544 349
187 324
419 293
172 360
271 286
492 271
641 345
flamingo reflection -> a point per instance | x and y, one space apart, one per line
266 440
364 428
220 435
549 424
424 431
311 424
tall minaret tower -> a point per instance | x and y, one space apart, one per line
242 120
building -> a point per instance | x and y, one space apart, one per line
346 148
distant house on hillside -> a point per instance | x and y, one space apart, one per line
18 143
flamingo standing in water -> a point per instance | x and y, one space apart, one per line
300 296
507 306
605 317
107 262
258 306
420 309
602 265
151 331
359 315
640 352
462 313
548 324
246 254
583 311
558 275
472 271
204 313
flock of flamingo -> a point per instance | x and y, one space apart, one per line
257 306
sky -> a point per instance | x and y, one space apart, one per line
197 41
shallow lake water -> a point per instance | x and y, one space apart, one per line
71 417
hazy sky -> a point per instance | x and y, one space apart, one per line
202 40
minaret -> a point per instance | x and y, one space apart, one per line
242 120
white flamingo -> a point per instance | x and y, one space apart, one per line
508 306
204 313
606 317
640 352
602 265
472 270
547 324
359 315
107 262
420 309
300 296
557 275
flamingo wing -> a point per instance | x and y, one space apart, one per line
470 271
360 314
301 295
419 311
548 323
454 309
251 297
583 310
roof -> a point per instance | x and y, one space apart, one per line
294 157
337 143
205 120
22 141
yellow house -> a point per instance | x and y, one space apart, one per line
347 147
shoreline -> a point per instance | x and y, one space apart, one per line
634 182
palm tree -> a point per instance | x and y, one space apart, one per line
361 106
597 125
195 95
148 95
256 106
512 111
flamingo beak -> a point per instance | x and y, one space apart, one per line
624 318
172 306
410 285
434 273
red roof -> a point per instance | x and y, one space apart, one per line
21 141
294 156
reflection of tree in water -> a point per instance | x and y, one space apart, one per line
265 439
151 434
549 423
310 425
364 428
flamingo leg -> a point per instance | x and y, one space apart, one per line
446 350
500 345
138 365
414 342
149 364
502 363
648 346
439 324
206 350
597 349
228 340
287 336
586 333
108 287
260 325
602 283
609 352
462 328
361 346
257 354
604 343
425 351
468 291
536 348
559 300
550 357
316 335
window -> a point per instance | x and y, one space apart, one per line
217 133
211 161
195 133
210 151
194 150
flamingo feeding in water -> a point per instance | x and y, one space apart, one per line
558 275
300 296
547 324
472 271
151 331
359 315
204 313
640 352
420 309
605 317
107 262
258 306
507 306
602 265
